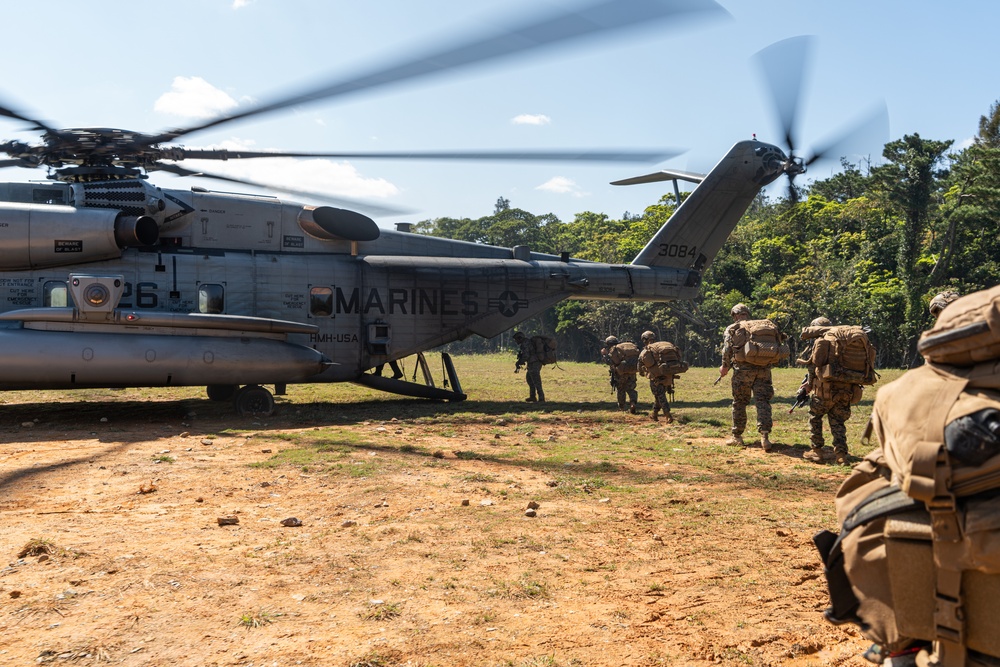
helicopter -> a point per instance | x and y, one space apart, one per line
109 281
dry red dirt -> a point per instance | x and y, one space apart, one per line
109 556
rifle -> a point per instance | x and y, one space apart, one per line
613 379
802 397
718 380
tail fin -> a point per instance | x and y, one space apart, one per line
693 235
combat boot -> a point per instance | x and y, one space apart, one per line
765 441
654 414
631 408
841 457
736 440
541 396
668 418
531 398
815 455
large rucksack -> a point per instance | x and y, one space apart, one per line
918 555
625 358
759 343
842 354
661 359
543 349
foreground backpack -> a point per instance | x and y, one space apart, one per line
543 349
759 343
625 358
662 359
842 354
918 555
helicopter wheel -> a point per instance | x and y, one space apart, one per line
220 392
253 400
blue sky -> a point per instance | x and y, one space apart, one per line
154 65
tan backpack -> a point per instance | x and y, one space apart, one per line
759 343
661 359
543 349
918 555
625 358
967 331
842 354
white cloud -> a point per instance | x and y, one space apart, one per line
193 97
531 119
561 185
312 175
240 4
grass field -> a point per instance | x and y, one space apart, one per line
653 544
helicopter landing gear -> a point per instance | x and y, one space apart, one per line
253 400
220 392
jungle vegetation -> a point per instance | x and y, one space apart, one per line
870 245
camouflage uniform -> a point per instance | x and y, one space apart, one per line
625 383
832 399
836 405
533 375
748 381
658 386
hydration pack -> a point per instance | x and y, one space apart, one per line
918 555
759 343
625 358
661 359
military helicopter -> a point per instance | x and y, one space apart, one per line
107 280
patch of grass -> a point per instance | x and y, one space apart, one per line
37 546
524 588
382 612
163 458
377 659
257 619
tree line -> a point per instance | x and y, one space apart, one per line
870 245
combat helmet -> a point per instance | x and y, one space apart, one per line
647 337
941 300
610 340
740 309
518 336
821 322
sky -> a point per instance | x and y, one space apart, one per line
694 88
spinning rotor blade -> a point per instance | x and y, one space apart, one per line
871 128
555 156
600 17
361 206
35 124
13 163
783 67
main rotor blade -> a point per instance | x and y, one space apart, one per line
600 17
35 123
13 163
871 128
341 202
783 66
579 155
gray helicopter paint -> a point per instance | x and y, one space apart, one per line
369 300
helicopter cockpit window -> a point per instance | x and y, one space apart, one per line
54 294
321 302
211 298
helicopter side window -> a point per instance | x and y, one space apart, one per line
211 298
54 294
321 302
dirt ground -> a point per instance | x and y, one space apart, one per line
415 546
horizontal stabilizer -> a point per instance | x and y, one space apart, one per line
663 175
